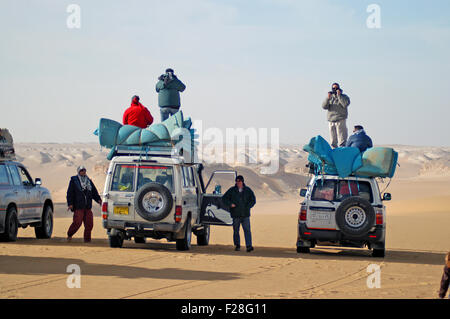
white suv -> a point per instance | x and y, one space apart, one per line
344 212
159 197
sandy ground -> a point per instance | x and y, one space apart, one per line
416 245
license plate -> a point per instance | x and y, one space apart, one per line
321 216
121 210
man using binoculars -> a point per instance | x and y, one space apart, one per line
337 103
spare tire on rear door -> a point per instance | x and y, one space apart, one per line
355 216
153 202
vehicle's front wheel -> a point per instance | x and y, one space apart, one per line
115 241
203 236
46 228
185 243
378 252
303 250
11 226
139 240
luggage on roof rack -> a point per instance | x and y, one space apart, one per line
6 146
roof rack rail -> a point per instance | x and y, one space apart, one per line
169 151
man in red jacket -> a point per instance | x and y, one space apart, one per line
137 114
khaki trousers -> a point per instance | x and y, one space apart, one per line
338 133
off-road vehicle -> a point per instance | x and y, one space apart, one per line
23 202
159 195
344 212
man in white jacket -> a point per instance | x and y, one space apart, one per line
337 103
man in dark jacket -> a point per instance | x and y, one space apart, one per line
137 114
169 88
80 194
359 139
241 199
445 278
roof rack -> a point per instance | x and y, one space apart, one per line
168 150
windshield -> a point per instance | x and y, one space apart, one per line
338 190
158 174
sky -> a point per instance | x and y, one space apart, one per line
246 64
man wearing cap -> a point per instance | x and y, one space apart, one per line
137 114
337 104
241 199
169 88
80 194
359 139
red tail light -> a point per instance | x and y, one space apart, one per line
178 213
302 215
379 217
105 210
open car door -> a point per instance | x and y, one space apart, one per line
213 211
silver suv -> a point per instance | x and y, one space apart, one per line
342 212
160 197
23 203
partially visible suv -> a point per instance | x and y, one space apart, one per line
344 212
159 197
23 203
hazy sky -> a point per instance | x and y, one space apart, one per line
252 63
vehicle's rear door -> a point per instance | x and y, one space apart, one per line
213 211
121 192
321 208
22 196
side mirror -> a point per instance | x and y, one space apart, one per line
303 192
38 182
387 196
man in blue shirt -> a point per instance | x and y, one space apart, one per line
359 139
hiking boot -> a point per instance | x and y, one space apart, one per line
249 249
237 248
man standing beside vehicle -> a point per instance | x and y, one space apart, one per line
169 88
445 278
359 139
80 194
337 104
241 199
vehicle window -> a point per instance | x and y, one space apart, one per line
323 190
192 176
4 176
157 174
123 178
185 177
348 188
189 177
15 175
25 177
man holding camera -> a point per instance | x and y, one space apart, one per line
337 103
169 88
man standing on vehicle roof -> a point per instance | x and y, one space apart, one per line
169 88
137 114
80 194
337 104
241 199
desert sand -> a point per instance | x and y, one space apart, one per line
418 237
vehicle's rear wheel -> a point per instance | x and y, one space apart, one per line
303 250
185 243
355 216
153 202
378 252
115 241
139 240
46 228
203 236
11 226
